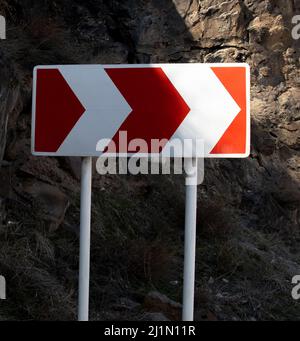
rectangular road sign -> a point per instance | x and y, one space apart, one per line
76 106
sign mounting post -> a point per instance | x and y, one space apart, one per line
190 239
85 239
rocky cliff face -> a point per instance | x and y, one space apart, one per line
247 252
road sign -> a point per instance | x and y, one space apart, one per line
75 106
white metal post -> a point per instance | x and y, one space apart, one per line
85 238
190 240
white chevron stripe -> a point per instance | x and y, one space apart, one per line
212 108
106 109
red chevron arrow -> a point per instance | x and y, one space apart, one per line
233 140
57 110
156 113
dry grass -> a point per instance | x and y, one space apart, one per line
215 220
150 261
34 290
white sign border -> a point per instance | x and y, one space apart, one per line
210 156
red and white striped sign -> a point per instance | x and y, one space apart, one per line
75 106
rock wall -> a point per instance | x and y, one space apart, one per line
263 190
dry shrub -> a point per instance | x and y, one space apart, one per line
36 288
150 261
215 220
227 258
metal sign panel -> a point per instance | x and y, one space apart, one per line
76 106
